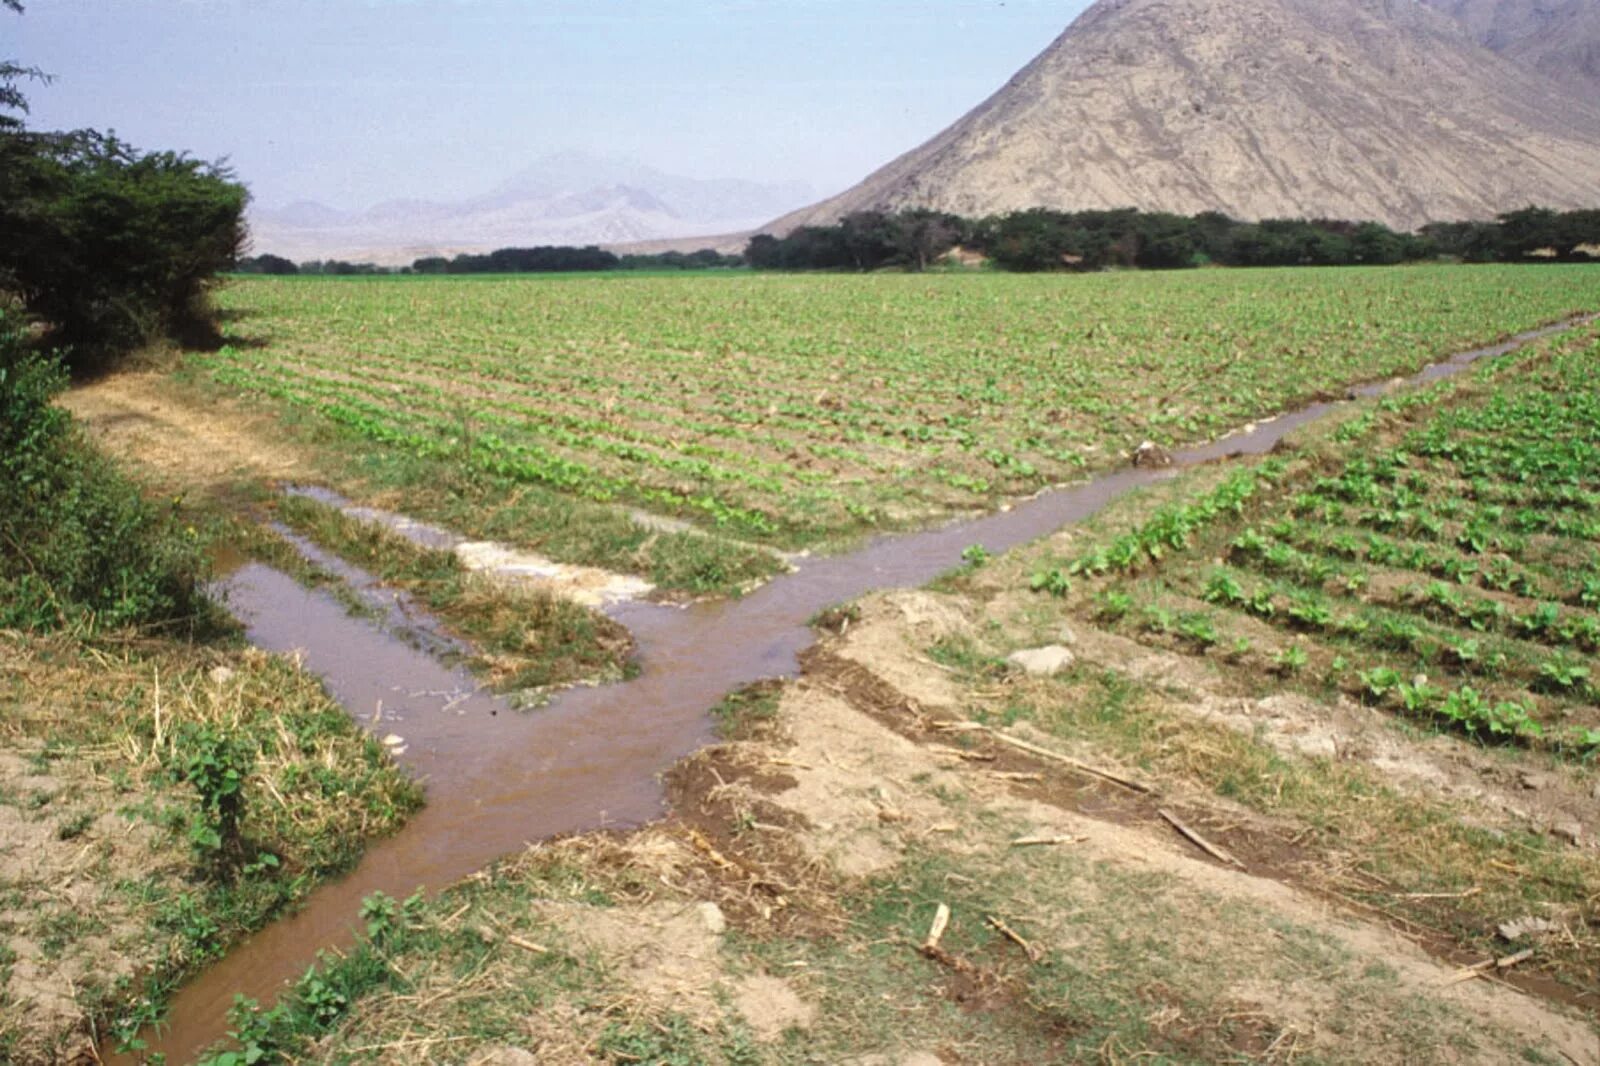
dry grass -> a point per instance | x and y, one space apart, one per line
108 906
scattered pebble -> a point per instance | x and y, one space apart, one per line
1571 832
1527 927
1151 454
1043 662
712 918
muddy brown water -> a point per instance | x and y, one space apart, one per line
499 779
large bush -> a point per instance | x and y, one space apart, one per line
114 247
79 546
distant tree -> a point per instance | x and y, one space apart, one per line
1166 242
1213 235
868 239
1473 242
1041 239
819 248
921 237
1038 240
764 252
266 264
1578 229
1530 230
11 72
1377 244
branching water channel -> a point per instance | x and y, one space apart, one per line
499 779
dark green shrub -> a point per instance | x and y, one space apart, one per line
79 546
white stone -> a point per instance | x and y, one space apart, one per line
1043 662
712 918
503 1056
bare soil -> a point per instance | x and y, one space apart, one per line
856 788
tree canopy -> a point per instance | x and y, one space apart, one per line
113 247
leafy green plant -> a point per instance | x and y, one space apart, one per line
1054 581
1309 611
1379 681
1222 589
1198 628
1159 620
975 555
216 764
1112 605
1291 659
319 999
1542 620
1418 697
380 912
1562 675
256 1033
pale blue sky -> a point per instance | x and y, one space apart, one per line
355 101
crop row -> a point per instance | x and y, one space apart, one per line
1467 611
810 406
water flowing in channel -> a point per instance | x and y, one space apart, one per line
498 779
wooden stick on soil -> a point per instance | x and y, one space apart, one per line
930 948
1200 842
998 925
1053 756
1479 969
941 920
1044 841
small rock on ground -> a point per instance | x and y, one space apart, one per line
712 918
1043 662
1151 454
503 1056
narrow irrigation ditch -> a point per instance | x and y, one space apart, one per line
498 779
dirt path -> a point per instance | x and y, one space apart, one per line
136 417
184 448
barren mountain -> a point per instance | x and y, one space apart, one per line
563 199
1560 38
1371 109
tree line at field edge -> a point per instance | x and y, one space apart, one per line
1045 240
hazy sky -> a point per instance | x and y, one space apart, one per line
354 101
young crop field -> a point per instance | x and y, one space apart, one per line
1440 560
793 409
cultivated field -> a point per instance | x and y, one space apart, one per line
1282 758
788 409
1442 563
1178 842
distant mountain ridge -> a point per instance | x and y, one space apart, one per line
569 198
1558 38
1361 109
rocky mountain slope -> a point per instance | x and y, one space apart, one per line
1371 109
1559 38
